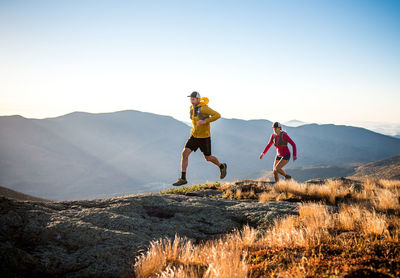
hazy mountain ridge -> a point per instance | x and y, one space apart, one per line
294 123
83 155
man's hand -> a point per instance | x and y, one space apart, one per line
262 155
294 158
201 122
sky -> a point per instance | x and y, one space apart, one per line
316 61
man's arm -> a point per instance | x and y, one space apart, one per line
208 111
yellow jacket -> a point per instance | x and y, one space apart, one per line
202 112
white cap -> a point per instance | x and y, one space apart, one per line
195 94
276 124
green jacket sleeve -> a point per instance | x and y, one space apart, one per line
209 112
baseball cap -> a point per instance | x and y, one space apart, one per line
276 124
195 94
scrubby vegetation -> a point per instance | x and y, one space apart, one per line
342 228
191 188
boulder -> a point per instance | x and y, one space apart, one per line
102 237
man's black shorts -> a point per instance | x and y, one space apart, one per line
203 143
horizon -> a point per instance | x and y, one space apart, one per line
317 61
389 129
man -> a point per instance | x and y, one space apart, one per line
201 116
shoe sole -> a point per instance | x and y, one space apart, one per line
179 184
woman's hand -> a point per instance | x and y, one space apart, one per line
262 155
294 158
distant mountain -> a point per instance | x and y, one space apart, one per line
82 155
294 123
383 169
12 194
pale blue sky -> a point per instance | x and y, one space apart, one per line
317 61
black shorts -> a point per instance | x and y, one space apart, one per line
286 157
203 143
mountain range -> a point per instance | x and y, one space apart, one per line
82 155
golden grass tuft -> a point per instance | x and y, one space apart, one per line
374 224
180 258
238 194
268 196
389 184
315 216
228 194
349 217
290 186
385 200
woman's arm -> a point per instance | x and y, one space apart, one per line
267 147
287 138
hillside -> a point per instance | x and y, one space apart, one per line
84 156
383 169
12 194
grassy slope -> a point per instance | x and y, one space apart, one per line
341 229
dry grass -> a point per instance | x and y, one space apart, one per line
385 200
238 194
268 196
349 217
180 258
383 195
315 216
330 237
390 183
290 186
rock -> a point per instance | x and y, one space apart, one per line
205 193
356 188
102 237
251 185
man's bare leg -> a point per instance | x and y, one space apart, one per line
222 166
213 159
185 159
184 164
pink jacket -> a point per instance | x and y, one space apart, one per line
281 150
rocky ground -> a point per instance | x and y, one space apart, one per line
101 237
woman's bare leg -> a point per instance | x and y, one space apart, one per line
276 176
279 164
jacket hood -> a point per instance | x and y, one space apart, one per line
203 101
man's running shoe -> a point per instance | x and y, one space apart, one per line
223 171
180 182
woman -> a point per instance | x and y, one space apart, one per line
280 140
